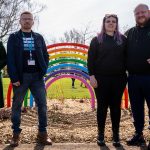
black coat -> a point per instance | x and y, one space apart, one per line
2 56
15 55
107 58
138 49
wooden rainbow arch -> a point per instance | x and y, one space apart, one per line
66 60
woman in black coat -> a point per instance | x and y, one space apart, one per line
106 65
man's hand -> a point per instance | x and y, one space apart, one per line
93 81
148 60
16 83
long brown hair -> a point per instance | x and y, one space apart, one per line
117 34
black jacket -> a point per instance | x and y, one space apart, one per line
138 49
2 56
107 58
15 55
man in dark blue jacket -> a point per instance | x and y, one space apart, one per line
27 61
2 64
138 65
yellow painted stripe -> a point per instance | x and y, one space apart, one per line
68 55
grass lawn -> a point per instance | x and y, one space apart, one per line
61 89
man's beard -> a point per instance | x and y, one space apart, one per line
27 27
142 23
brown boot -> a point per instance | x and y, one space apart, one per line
43 138
15 140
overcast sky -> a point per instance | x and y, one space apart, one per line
63 15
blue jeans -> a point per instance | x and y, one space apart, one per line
37 87
139 91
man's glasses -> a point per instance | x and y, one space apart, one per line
25 19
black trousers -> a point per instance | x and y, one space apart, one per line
139 92
1 94
109 94
73 81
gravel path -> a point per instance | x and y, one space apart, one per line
70 122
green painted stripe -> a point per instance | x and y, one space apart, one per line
26 100
62 60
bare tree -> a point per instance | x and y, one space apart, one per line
82 36
87 34
72 36
53 40
10 12
125 29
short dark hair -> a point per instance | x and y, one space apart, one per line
26 12
146 6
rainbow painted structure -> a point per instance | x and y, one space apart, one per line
67 60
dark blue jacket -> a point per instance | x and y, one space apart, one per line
2 56
15 55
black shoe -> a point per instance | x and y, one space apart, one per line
136 140
116 141
148 147
15 140
100 140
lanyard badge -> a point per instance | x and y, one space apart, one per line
30 61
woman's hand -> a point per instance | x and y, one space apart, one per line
148 60
16 83
93 81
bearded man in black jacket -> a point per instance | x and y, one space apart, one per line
138 65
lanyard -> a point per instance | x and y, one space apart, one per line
29 45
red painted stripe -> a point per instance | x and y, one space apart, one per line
126 97
9 95
67 44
